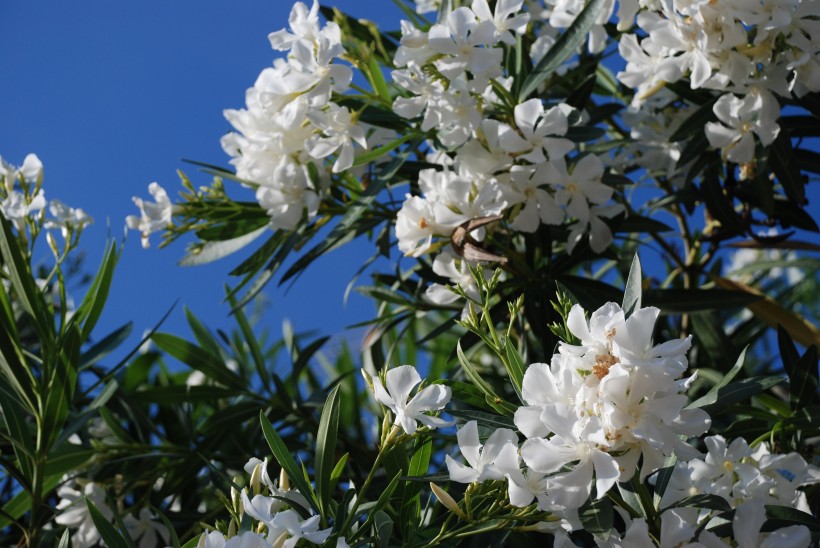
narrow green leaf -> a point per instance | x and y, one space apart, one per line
466 393
410 514
377 79
66 458
172 534
490 397
483 419
28 294
384 498
515 367
708 332
105 346
326 449
563 48
697 300
65 540
740 391
285 460
92 305
20 503
781 158
597 517
633 288
213 251
807 418
377 153
197 358
783 516
109 534
695 122
176 394
638 223
383 526
803 383
711 502
710 397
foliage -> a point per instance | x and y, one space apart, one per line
515 173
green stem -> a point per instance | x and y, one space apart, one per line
646 501
369 479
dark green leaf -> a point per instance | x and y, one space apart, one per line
92 305
740 391
718 202
383 526
597 517
711 502
784 516
410 517
711 397
563 48
591 294
637 223
285 460
696 121
107 345
633 288
803 380
484 419
197 358
209 252
326 449
781 158
109 534
696 300
176 394
580 134
515 367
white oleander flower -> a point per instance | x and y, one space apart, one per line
400 382
608 402
154 217
741 119
288 527
146 529
73 512
528 187
579 188
67 219
541 130
507 19
481 459
339 132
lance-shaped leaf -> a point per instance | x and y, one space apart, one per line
565 46
633 288
285 460
326 449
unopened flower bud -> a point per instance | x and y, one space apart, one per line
448 501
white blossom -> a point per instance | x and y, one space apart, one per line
400 382
155 216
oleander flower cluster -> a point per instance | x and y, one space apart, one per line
22 200
142 525
272 507
290 121
751 52
496 156
598 412
748 480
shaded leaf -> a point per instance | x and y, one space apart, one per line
563 48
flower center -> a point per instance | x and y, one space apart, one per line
602 364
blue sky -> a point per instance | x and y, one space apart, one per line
111 96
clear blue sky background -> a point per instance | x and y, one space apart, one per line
112 95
